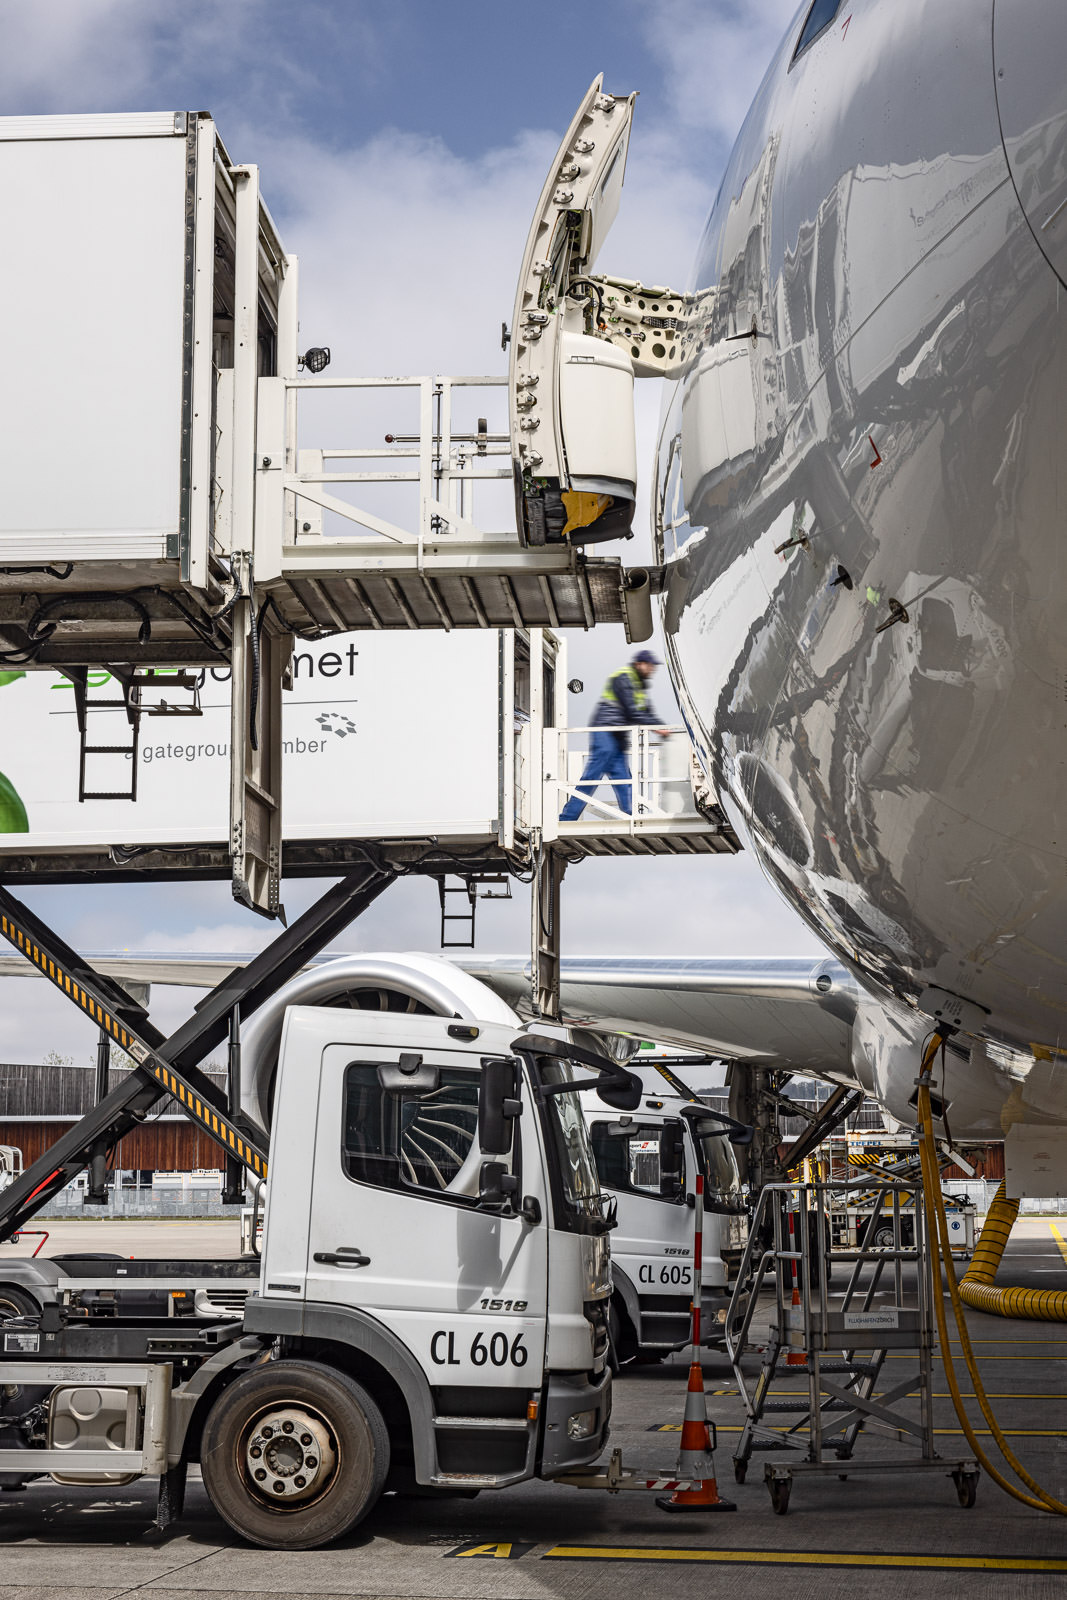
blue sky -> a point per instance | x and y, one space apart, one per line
402 148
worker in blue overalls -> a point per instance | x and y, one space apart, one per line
623 704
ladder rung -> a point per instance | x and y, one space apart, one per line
802 1405
863 1368
108 749
107 794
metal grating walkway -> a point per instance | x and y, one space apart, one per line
580 594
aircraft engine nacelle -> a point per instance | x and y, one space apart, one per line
418 984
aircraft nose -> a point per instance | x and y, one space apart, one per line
1029 56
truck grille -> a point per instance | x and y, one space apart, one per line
221 1302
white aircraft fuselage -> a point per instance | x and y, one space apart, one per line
862 492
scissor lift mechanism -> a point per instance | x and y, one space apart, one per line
168 1066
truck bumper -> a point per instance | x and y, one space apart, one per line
714 1308
667 1323
574 1403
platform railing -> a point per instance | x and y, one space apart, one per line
657 791
445 462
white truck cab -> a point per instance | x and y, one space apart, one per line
648 1161
451 1226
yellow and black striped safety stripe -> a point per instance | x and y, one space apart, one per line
219 1126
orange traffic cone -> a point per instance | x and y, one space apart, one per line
795 1358
696 1460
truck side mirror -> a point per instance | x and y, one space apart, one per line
498 1106
621 1096
409 1075
671 1161
496 1185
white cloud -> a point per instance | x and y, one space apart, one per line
714 56
121 55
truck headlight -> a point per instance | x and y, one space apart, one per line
581 1424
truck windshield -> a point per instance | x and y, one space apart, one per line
575 1183
722 1181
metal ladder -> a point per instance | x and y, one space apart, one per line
844 1337
472 889
131 683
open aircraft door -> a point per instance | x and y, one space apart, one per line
570 386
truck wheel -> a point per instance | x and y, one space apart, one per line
16 1303
294 1454
622 1342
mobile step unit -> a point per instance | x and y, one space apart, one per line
449 1331
648 1162
199 524
832 1345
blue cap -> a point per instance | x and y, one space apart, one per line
647 655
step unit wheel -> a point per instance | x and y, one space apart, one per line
294 1455
966 1488
740 1471
780 1488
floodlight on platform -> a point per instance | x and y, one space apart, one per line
317 359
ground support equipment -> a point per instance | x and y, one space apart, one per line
168 1065
844 1337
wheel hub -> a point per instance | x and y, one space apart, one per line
289 1456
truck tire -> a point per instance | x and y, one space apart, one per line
16 1303
622 1341
294 1454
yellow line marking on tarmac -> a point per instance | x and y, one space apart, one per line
802 1558
900 1355
954 1338
951 1433
791 1394
1061 1242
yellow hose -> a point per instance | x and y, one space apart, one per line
977 1288
941 1250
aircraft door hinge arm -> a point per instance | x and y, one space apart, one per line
649 322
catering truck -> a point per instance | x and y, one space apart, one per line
648 1162
431 1306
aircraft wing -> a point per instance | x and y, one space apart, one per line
796 1013
194 971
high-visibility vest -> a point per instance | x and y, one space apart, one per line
638 683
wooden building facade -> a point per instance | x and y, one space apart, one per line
38 1103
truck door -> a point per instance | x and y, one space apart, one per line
644 1166
401 1223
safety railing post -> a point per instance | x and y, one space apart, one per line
426 458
